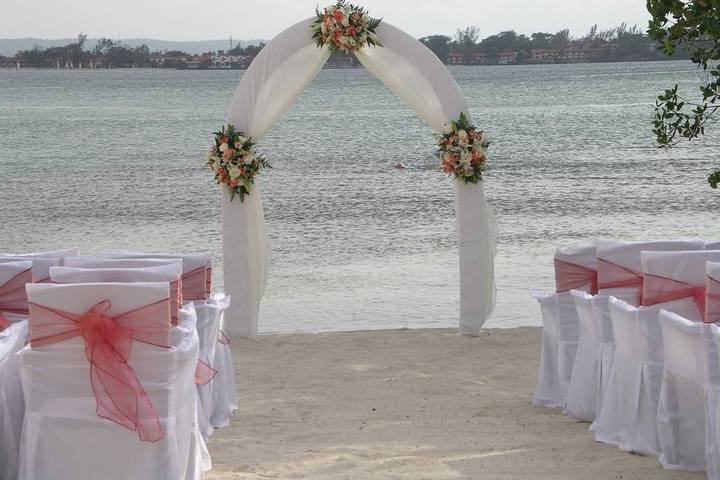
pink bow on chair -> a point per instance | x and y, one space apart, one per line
569 276
195 284
614 275
658 289
13 298
108 343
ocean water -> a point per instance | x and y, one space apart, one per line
115 159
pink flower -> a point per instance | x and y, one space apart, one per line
228 154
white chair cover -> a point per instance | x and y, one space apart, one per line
224 391
560 333
63 438
712 245
617 420
192 262
627 255
40 266
686 267
593 362
12 406
712 412
217 398
101 262
161 273
681 408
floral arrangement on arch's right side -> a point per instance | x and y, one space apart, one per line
462 150
345 28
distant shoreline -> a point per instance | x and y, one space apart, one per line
354 67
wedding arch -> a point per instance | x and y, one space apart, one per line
277 76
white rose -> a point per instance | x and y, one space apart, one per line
447 129
248 159
214 166
234 172
468 171
224 147
346 21
466 158
462 134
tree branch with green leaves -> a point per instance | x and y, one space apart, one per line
693 25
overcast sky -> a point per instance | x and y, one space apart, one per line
243 19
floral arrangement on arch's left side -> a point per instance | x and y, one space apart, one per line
235 162
461 148
345 28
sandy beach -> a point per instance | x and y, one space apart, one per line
393 404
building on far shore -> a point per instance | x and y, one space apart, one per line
507 58
548 55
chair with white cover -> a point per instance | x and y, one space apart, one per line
12 406
220 396
681 407
574 270
13 311
616 420
106 394
13 327
100 270
620 275
124 271
712 393
673 281
591 369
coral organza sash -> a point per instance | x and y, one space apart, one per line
208 282
613 275
195 284
569 276
658 289
712 300
108 342
204 373
13 297
176 300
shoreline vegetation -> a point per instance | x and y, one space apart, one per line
620 44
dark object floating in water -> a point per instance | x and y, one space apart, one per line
399 166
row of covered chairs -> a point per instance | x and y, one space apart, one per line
630 345
89 345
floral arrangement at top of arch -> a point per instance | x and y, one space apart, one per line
235 162
345 28
461 148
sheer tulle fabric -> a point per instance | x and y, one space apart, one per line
276 77
13 298
195 284
658 289
108 343
571 276
614 275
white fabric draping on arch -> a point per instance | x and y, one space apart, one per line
279 73
275 79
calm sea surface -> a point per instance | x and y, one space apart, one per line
114 159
